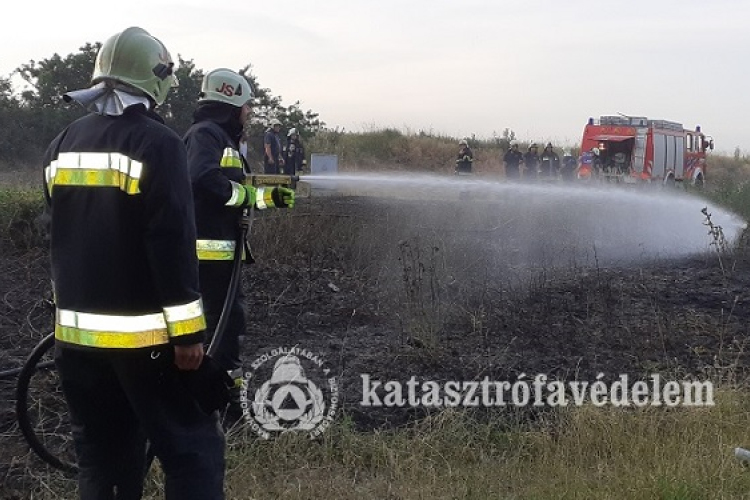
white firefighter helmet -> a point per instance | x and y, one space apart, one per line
225 85
136 58
292 131
274 122
463 142
513 143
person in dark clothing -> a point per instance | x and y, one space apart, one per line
568 167
549 163
218 172
531 162
273 161
512 161
465 158
294 153
129 325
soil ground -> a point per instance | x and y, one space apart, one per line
359 283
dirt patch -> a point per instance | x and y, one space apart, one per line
380 288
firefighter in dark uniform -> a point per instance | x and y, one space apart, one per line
549 163
568 166
465 158
294 154
273 161
129 324
218 172
531 162
512 160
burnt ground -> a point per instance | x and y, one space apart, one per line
397 291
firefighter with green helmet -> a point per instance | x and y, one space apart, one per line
129 323
218 172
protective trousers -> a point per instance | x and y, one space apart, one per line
214 276
118 401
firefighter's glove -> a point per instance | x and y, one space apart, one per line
467 158
249 196
277 197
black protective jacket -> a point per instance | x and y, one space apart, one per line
217 171
294 155
122 234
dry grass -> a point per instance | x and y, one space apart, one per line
578 453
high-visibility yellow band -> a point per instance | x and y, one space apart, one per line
185 319
264 198
94 169
186 326
110 340
215 249
97 178
239 193
231 158
119 331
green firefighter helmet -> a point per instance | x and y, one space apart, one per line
225 85
136 58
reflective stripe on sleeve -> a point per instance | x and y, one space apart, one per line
185 319
215 249
231 158
263 198
239 193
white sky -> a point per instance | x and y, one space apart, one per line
539 67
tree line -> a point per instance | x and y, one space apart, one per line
31 118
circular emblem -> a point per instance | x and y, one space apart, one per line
289 390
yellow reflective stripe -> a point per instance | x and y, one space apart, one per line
95 169
238 195
215 249
231 158
110 339
96 178
186 326
263 198
185 319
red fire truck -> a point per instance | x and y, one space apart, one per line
636 149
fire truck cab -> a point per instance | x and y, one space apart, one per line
636 149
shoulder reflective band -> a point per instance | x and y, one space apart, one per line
215 249
231 158
94 169
116 331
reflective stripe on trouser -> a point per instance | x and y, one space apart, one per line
120 331
117 400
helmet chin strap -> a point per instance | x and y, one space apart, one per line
107 98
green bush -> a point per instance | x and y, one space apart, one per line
20 226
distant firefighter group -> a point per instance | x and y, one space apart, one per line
530 165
